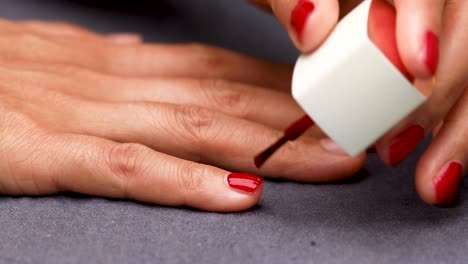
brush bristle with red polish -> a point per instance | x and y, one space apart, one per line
291 133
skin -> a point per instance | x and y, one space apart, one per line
111 116
444 114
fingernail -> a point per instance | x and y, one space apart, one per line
243 182
330 145
124 38
299 16
447 183
404 143
431 51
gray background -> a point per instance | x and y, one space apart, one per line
376 218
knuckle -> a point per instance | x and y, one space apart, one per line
13 122
25 169
26 37
294 147
196 122
28 46
125 161
26 42
190 177
115 58
112 53
229 97
210 58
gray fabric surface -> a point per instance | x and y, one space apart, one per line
377 218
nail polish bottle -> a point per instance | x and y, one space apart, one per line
351 90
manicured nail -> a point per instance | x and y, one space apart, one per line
447 183
404 143
299 16
244 182
431 51
330 146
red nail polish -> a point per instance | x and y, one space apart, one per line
404 143
447 184
299 16
244 182
431 51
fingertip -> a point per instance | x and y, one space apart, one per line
353 164
395 146
347 167
328 167
320 25
424 184
219 191
421 60
356 163
419 25
439 184
310 22
244 192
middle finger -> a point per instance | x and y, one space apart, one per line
269 107
210 137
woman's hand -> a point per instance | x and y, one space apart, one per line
431 37
114 117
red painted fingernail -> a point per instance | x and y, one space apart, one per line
299 16
404 143
431 51
244 182
447 183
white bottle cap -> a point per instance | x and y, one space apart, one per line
350 89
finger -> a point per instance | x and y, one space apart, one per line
403 139
58 29
419 26
104 168
308 22
210 137
199 61
125 38
441 168
147 60
265 106
272 108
